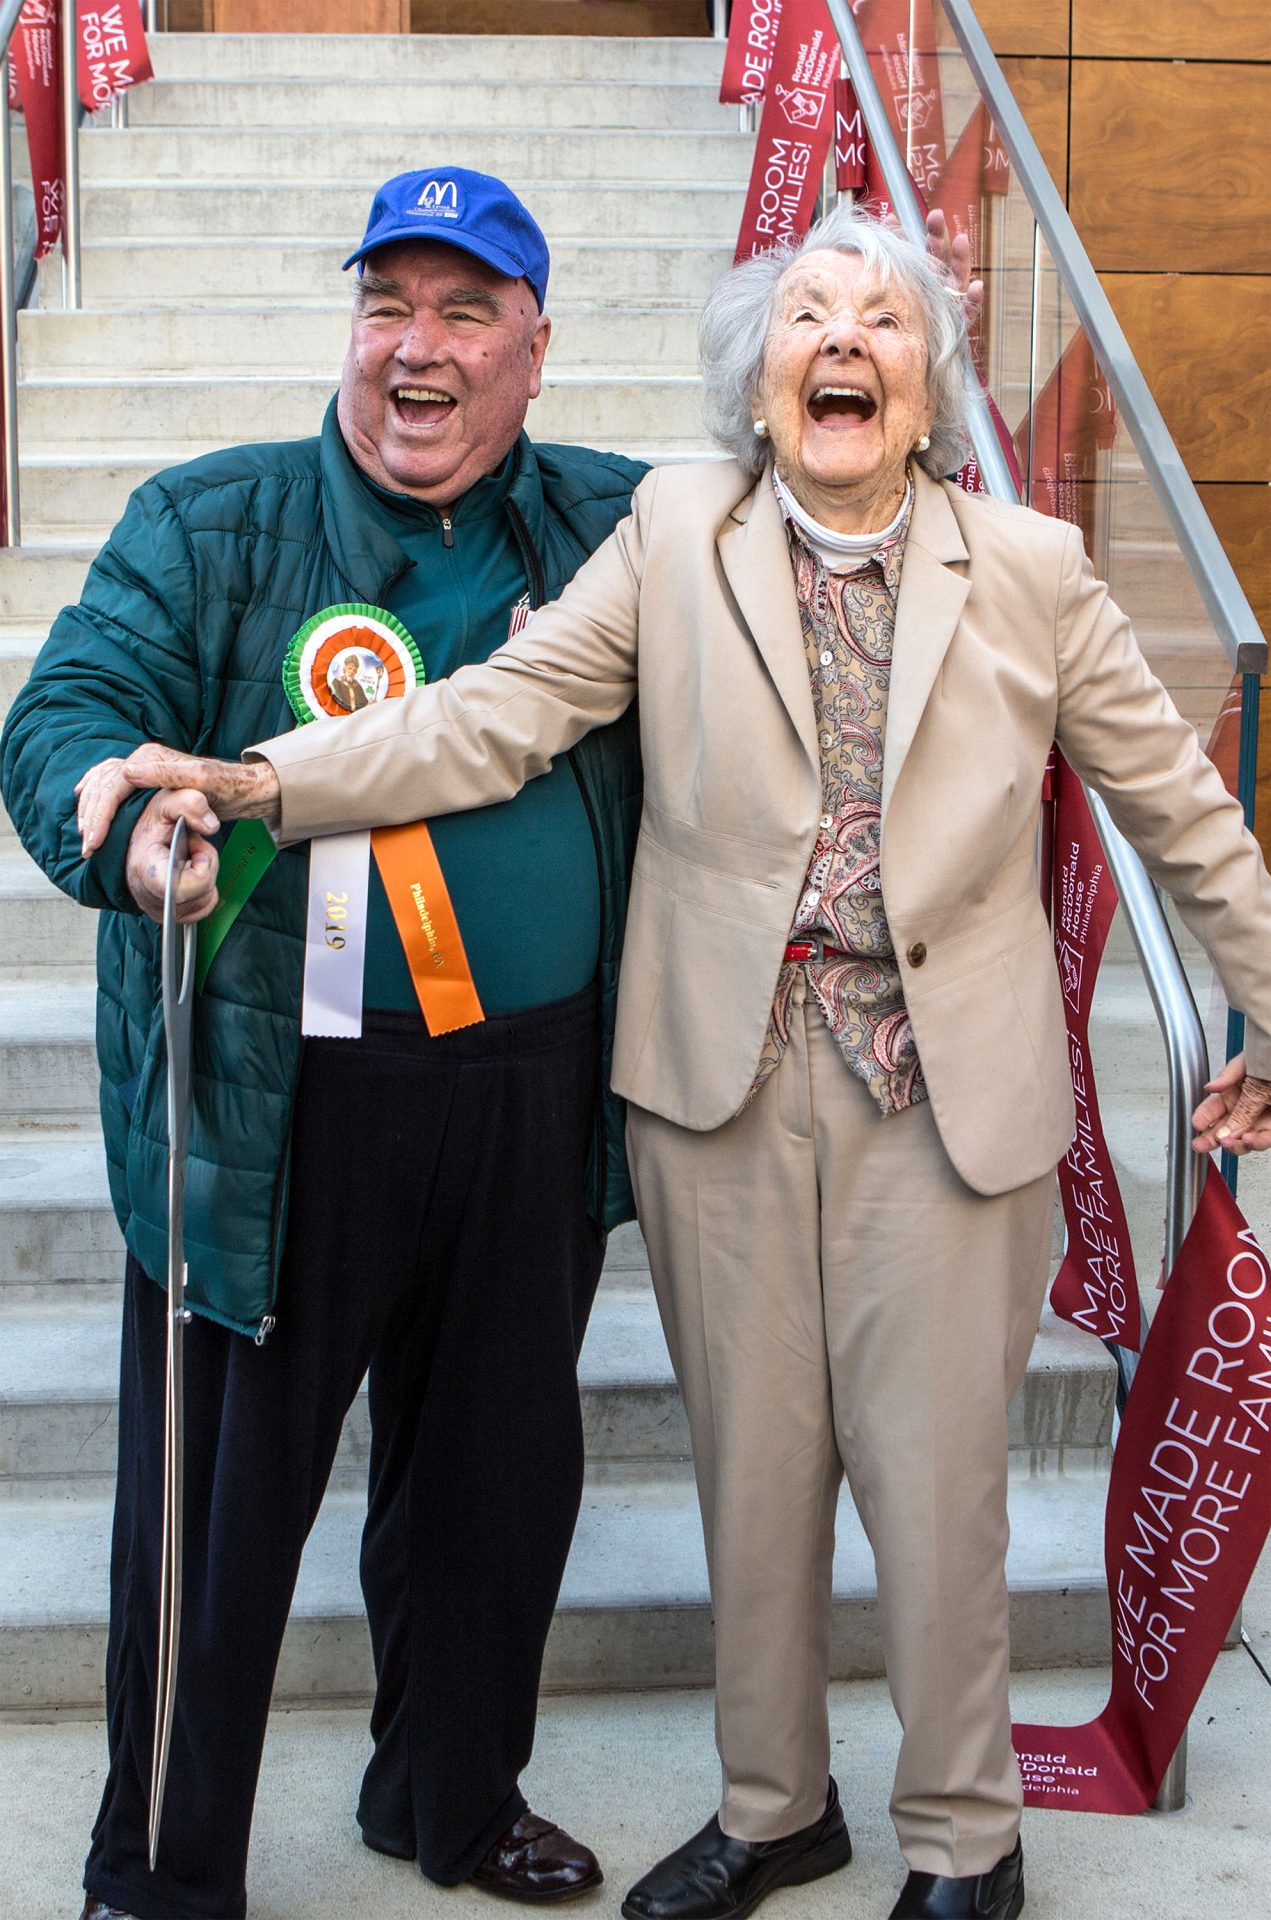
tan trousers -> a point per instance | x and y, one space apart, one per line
835 1299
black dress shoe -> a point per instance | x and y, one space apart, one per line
538 1862
714 1877
97 1910
995 1895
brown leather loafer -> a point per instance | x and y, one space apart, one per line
538 1862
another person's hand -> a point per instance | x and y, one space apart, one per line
1237 1113
954 256
149 850
231 790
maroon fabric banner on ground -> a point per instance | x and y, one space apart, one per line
794 132
752 33
36 67
1189 1508
1096 1287
111 53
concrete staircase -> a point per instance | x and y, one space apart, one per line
215 311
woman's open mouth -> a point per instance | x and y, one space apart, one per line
846 406
422 406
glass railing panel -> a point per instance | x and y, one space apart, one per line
1078 454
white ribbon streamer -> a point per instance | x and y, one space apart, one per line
335 936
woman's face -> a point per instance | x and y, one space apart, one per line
844 387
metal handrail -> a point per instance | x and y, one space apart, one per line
9 12
1187 1054
70 158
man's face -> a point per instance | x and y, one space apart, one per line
445 357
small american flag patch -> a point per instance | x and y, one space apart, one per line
519 616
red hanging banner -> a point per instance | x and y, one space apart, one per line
111 53
1059 442
977 167
795 131
1096 1287
35 64
752 34
1189 1508
908 78
851 148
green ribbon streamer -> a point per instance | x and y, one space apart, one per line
245 858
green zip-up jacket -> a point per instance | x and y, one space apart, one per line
179 637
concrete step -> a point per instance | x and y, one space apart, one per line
46 1040
356 58
274 342
61 1248
634 1608
43 927
374 153
335 209
424 103
18 648
115 415
58 486
38 579
59 1368
60 1244
300 272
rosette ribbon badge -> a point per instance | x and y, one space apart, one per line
342 660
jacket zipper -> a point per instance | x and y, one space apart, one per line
529 553
447 531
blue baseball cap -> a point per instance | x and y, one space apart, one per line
472 211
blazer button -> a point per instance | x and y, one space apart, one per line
917 953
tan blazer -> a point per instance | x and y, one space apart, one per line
1004 641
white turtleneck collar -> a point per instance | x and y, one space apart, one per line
840 550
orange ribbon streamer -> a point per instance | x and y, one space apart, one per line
426 923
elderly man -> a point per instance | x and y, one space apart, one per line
487 1160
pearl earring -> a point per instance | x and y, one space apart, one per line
761 429
923 443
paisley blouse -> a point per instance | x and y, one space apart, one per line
849 623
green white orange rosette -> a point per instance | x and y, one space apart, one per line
344 659
319 657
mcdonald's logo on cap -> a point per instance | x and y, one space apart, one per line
440 197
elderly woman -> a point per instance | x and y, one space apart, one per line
839 1027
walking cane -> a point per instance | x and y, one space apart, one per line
178 944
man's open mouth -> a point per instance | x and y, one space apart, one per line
422 406
848 404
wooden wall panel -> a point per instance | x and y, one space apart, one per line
1170 166
1041 92
1204 344
1024 26
1173 29
637 18
1242 521
311 16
